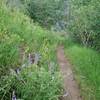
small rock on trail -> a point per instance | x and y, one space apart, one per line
71 88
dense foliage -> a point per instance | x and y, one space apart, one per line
23 40
85 22
19 37
48 12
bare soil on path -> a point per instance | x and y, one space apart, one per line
71 88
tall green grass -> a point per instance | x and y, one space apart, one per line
17 31
86 65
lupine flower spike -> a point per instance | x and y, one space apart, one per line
13 96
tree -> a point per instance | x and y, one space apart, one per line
86 22
48 12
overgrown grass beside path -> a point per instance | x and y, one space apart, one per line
34 82
86 66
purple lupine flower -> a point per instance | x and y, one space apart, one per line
30 58
36 58
13 96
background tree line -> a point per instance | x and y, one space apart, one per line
80 17
85 22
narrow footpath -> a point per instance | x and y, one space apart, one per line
71 88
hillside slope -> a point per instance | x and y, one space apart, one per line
28 67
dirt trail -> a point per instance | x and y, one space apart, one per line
71 88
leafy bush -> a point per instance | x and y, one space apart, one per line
85 22
47 12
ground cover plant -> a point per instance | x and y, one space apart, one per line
85 64
18 36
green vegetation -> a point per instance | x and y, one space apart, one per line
85 22
21 37
86 66
48 12
32 83
18 36
38 84
84 29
